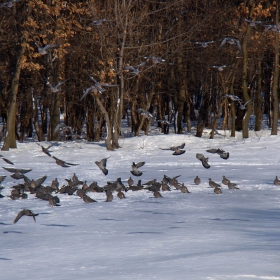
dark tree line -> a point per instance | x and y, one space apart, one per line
100 62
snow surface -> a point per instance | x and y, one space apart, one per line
200 235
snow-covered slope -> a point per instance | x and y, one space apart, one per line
199 235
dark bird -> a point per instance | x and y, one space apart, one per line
225 181
14 170
165 187
88 199
138 187
135 167
213 184
184 189
157 194
203 160
276 181
62 162
102 165
46 150
55 184
217 190
231 41
18 173
8 161
121 195
109 195
232 186
53 201
177 149
222 153
25 212
197 180
76 181
129 181
2 178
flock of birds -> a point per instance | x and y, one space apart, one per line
80 188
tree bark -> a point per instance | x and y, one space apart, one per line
108 140
275 81
246 97
10 139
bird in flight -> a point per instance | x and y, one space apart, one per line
25 212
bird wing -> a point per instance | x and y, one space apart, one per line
40 181
199 156
19 215
102 167
181 146
237 42
56 130
104 162
34 217
108 85
139 164
92 79
178 152
50 46
8 161
61 83
223 42
224 155
212 151
73 164
87 91
14 170
45 150
205 163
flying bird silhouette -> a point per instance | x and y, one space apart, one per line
135 167
203 160
222 153
102 165
63 163
231 41
177 149
25 212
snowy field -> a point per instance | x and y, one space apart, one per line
196 235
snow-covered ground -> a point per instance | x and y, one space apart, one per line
200 235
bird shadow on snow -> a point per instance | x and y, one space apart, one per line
4 224
13 231
109 219
57 225
145 232
219 219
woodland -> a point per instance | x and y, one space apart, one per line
171 61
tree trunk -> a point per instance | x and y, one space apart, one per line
258 103
10 139
246 97
275 81
108 140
